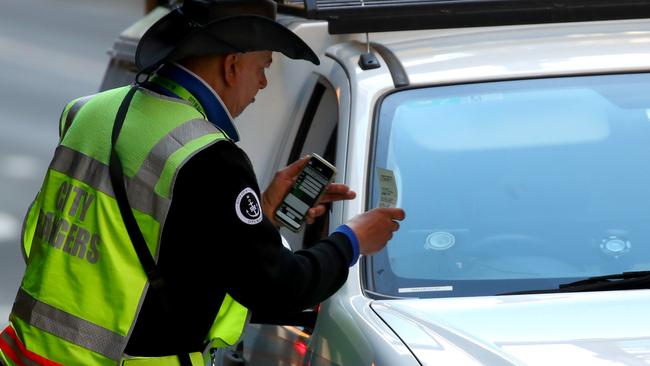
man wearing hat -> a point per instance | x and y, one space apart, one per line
149 241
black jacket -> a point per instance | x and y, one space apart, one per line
208 251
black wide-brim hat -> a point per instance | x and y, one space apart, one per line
208 27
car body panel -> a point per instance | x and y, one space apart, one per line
591 328
362 338
499 53
527 51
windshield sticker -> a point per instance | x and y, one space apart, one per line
425 289
388 187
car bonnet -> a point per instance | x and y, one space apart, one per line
597 328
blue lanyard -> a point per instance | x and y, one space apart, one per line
176 82
179 91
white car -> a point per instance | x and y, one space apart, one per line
520 146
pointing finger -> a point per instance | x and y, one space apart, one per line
394 213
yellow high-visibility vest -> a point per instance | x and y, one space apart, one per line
83 285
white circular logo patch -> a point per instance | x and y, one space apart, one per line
248 207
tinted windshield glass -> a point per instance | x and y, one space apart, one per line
515 185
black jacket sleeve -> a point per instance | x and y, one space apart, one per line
245 256
214 244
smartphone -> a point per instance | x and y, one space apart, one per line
305 193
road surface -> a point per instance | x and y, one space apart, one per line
50 52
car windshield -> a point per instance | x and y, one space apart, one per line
514 185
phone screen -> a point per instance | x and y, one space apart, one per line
305 192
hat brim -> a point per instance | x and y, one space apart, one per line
172 39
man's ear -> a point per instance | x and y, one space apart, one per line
230 68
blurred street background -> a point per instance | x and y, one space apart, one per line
51 51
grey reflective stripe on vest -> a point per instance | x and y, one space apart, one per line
152 167
96 174
82 168
72 113
140 189
12 343
68 326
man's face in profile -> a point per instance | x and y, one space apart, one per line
251 78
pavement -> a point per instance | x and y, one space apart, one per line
51 51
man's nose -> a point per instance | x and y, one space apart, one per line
263 82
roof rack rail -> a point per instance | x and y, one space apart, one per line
360 16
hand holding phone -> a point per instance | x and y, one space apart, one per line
305 193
